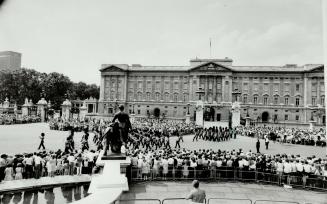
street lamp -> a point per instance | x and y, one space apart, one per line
188 108
133 106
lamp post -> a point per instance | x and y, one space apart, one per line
188 108
134 106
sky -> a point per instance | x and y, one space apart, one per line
75 37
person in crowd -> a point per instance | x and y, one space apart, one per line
19 171
257 145
266 141
41 141
9 173
196 195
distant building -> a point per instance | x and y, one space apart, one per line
287 95
10 60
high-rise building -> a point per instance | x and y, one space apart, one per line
10 60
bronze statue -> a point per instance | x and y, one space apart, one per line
124 123
112 137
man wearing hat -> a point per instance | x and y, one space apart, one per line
124 123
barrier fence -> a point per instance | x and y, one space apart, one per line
209 201
229 174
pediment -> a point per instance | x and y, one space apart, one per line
317 69
112 68
211 67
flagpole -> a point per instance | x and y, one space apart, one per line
210 47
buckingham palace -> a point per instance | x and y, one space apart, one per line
288 94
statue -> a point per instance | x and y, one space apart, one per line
124 123
113 139
116 135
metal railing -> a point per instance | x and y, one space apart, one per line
135 201
229 174
274 202
209 201
229 200
177 201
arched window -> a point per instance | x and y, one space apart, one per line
255 99
148 96
157 96
265 99
139 96
185 97
245 99
276 100
166 97
175 97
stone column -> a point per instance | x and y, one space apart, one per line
236 114
199 113
65 108
25 108
41 105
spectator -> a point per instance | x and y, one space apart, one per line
197 195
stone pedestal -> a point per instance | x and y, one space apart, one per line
311 124
236 114
25 108
41 105
247 121
188 119
199 113
82 112
65 108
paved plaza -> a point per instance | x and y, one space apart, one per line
163 190
25 138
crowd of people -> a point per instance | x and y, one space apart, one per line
46 163
152 155
10 119
315 137
216 134
208 163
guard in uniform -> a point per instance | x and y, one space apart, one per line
124 123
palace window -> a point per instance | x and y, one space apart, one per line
276 100
148 96
140 85
157 85
138 111
245 99
185 97
297 101
148 86
245 86
286 100
139 96
297 87
176 85
175 97
166 97
314 87
286 117
314 101
322 100
157 96
255 99
265 100
167 85
297 117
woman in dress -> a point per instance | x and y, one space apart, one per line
51 165
185 170
155 169
165 168
9 173
19 171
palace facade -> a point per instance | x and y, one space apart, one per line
287 94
